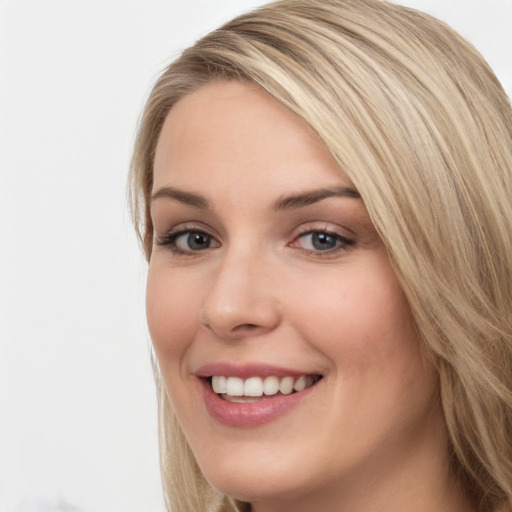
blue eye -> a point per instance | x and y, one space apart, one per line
322 241
187 241
193 241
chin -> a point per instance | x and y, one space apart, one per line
251 480
252 488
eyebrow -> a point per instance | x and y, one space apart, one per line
290 202
186 198
314 196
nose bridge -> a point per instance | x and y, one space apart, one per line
240 298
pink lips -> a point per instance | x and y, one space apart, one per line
248 414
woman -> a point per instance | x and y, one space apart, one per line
322 189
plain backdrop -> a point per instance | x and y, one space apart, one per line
77 404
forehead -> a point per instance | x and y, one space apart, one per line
231 130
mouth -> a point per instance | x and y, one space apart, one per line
254 389
254 394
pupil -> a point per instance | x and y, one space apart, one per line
323 241
198 241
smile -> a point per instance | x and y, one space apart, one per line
253 395
236 389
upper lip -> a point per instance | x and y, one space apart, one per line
244 371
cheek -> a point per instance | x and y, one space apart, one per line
377 374
360 319
172 311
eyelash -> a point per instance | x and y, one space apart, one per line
343 243
169 240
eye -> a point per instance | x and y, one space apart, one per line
321 241
193 241
187 241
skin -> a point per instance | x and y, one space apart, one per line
370 434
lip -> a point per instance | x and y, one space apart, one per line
245 371
247 415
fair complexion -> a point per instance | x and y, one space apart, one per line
265 264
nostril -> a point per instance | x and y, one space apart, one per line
245 326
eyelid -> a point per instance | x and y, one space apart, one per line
344 242
168 239
323 227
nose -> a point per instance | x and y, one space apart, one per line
240 300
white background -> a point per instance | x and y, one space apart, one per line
77 404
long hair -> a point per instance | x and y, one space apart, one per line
414 116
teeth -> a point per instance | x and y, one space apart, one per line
219 384
234 386
270 385
256 386
286 385
300 384
253 387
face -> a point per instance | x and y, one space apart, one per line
285 343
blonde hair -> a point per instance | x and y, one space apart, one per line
420 124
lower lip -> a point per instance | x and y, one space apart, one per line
250 414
